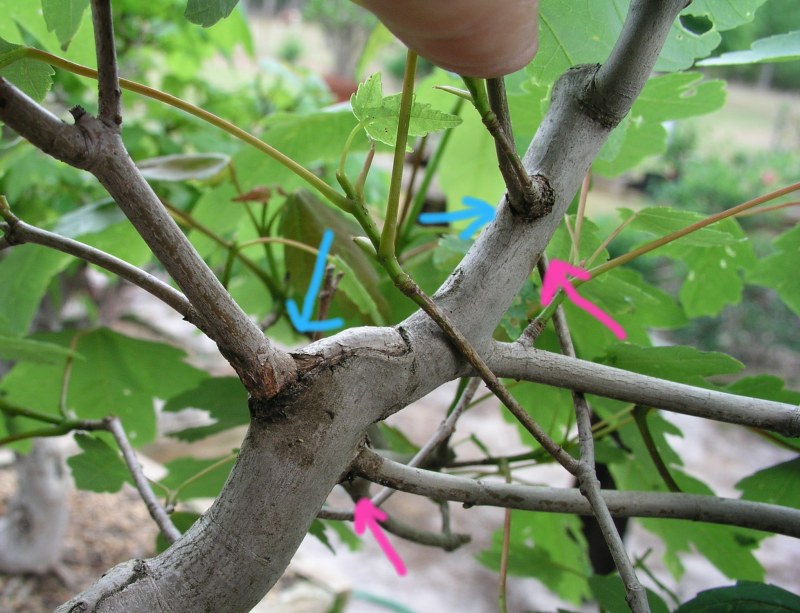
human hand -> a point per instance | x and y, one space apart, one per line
475 38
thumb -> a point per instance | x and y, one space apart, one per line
475 38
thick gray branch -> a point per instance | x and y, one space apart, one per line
713 509
516 362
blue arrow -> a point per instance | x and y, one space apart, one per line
482 211
302 322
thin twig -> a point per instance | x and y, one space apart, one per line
413 291
503 575
640 418
588 482
18 232
157 512
576 243
326 294
109 95
443 432
416 164
666 505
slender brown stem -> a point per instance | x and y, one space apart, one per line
157 512
588 482
109 94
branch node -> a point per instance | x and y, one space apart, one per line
538 199
77 112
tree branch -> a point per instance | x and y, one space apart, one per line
17 232
443 432
516 362
589 484
109 94
712 509
93 146
157 512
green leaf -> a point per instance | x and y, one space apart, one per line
208 12
550 406
184 166
714 280
345 534
715 277
305 217
207 485
522 309
396 440
664 98
776 484
572 33
224 398
772 270
309 139
182 520
744 597
549 547
99 467
32 77
27 350
609 592
662 220
64 17
118 375
778 48
676 363
25 274
379 114
317 529
725 14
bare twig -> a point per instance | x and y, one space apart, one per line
437 314
640 418
443 432
326 294
18 232
529 197
157 512
263 368
588 482
109 94
713 509
512 360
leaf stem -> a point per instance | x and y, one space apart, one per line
17 411
301 171
386 249
422 193
665 240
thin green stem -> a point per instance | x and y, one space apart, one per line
188 220
174 495
640 417
711 219
281 241
16 411
430 171
301 171
60 429
386 249
576 244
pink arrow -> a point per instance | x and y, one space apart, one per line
367 515
556 277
